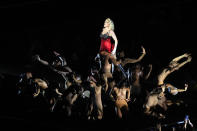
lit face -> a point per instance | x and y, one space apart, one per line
107 23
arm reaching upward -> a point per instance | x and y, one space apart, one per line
37 57
180 57
128 60
181 64
182 90
150 70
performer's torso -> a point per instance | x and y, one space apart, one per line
106 44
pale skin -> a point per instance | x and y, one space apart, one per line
174 90
111 33
112 55
173 66
107 68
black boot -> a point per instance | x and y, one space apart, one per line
122 70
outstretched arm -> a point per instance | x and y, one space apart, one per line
173 89
182 90
128 60
150 70
180 57
74 98
182 64
37 57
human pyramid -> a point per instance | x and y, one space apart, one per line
109 84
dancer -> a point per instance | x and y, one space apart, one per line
107 49
173 66
96 107
121 95
138 77
123 61
59 65
157 96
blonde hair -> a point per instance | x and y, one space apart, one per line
111 23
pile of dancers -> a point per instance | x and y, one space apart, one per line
111 85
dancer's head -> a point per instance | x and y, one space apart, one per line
138 67
78 78
59 61
28 75
109 23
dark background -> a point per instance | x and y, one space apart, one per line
165 29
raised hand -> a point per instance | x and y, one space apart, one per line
127 100
189 59
37 57
143 50
56 53
187 54
186 86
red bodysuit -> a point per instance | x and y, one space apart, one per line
106 44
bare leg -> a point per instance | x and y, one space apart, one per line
109 56
90 110
69 111
113 59
119 113
105 77
158 127
100 113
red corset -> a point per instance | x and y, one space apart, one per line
106 45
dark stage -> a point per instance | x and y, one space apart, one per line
165 29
